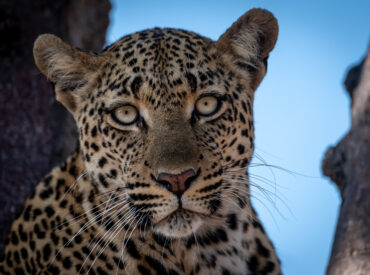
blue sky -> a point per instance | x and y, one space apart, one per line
300 108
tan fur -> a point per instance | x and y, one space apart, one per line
65 66
253 35
250 39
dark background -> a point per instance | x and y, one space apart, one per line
36 132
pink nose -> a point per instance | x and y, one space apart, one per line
177 183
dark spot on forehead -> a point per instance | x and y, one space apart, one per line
136 84
192 80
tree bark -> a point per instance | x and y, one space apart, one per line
348 165
37 133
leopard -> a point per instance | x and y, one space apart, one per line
159 183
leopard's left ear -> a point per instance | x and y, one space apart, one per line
68 68
249 41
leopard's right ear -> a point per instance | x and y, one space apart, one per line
68 68
248 43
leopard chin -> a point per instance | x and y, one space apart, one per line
179 224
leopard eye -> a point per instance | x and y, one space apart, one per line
207 105
125 115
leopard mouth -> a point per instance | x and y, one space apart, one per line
181 223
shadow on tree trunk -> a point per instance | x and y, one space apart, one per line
37 133
348 165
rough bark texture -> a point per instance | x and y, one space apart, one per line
348 165
36 133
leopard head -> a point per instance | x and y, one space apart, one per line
165 119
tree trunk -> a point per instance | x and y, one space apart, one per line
37 133
348 165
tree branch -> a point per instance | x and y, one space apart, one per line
36 132
348 165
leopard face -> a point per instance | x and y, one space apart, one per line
165 121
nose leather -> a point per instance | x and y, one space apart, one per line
177 183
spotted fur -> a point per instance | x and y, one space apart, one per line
105 211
